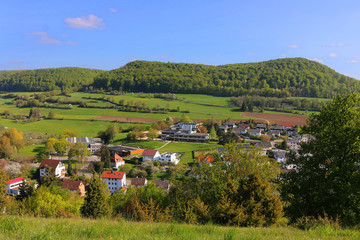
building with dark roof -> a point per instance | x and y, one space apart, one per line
74 186
53 167
186 132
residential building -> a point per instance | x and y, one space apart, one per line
273 133
14 185
53 167
116 161
169 157
93 144
280 156
187 132
277 128
292 132
261 126
240 130
163 184
115 180
138 182
254 132
150 154
123 150
74 186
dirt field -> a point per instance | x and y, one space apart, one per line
126 119
278 118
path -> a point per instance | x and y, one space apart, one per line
163 145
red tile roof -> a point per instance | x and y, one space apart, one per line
116 158
71 184
113 174
288 125
205 159
19 179
50 163
149 152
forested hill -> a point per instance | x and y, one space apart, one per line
281 77
46 79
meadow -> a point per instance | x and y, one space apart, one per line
12 227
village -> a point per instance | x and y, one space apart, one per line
273 141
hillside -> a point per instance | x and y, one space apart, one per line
281 77
46 79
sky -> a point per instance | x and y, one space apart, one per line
108 34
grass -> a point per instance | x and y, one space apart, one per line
12 227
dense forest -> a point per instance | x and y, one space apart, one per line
275 78
46 79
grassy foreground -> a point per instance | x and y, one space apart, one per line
39 228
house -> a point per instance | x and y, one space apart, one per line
150 154
123 150
14 185
273 133
115 180
280 156
261 126
254 132
116 161
93 144
240 130
264 145
138 182
54 167
292 132
277 128
169 157
227 126
74 186
187 132
287 125
244 125
163 184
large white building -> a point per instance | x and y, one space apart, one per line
114 179
187 132
169 157
52 167
14 185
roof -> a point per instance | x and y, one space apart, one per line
254 130
138 181
19 179
263 144
50 163
287 125
116 158
279 154
149 152
205 158
261 125
71 184
163 184
276 127
113 174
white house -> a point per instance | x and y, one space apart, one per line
14 185
169 157
50 166
254 132
150 154
116 161
114 179
138 182
280 156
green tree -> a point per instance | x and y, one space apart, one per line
60 145
16 138
25 191
80 151
213 133
51 115
152 133
96 200
3 179
104 153
326 176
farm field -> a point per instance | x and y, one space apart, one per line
12 227
278 118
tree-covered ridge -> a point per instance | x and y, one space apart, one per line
281 77
46 79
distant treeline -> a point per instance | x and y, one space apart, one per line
248 103
276 78
46 79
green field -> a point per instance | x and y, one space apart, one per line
39 228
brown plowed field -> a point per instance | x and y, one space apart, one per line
278 118
126 119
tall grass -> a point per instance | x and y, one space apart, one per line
12 227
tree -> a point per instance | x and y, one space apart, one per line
35 114
6 150
3 178
80 151
108 135
96 200
25 191
51 115
104 153
213 134
60 145
152 133
325 180
16 138
185 118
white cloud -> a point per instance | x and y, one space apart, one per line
333 55
15 62
283 55
44 38
293 46
250 53
70 42
353 61
113 10
89 22
318 60
337 45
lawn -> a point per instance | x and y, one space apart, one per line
12 227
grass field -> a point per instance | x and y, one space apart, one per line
39 228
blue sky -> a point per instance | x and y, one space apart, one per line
108 34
